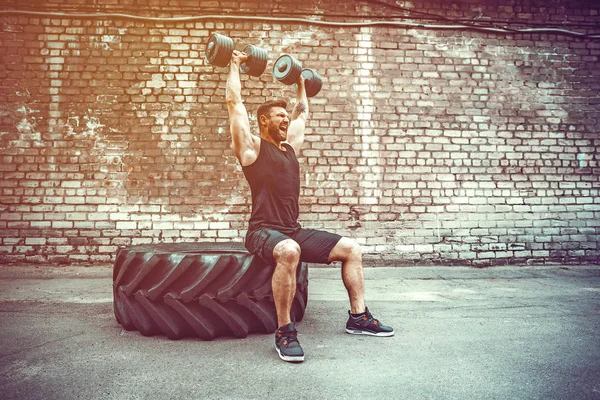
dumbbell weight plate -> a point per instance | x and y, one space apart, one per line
287 69
257 61
312 82
218 50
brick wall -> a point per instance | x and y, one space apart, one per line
444 146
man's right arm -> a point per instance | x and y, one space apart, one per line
245 145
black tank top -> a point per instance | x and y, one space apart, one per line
274 180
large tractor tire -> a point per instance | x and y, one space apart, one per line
203 290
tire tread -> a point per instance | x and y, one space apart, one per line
198 291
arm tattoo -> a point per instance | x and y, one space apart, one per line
300 108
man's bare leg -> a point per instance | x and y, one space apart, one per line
350 254
360 320
287 255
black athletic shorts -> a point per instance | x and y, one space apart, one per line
315 245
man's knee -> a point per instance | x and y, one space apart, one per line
346 249
287 252
354 250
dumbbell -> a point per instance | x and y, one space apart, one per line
287 69
220 48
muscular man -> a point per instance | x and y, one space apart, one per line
270 165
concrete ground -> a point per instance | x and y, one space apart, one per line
461 333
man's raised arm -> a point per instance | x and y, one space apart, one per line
245 145
299 117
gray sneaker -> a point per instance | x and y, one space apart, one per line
287 345
365 324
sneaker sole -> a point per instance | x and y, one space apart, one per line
289 358
379 334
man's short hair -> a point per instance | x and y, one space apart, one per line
265 108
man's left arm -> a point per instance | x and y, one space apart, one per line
298 118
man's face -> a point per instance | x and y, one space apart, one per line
277 124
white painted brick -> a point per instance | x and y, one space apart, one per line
119 217
40 224
140 217
107 249
34 241
136 241
219 225
183 225
62 224
227 233
191 234
126 225
404 248
162 225
84 225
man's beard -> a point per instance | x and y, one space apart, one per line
278 134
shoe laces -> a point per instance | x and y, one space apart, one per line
368 317
288 337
